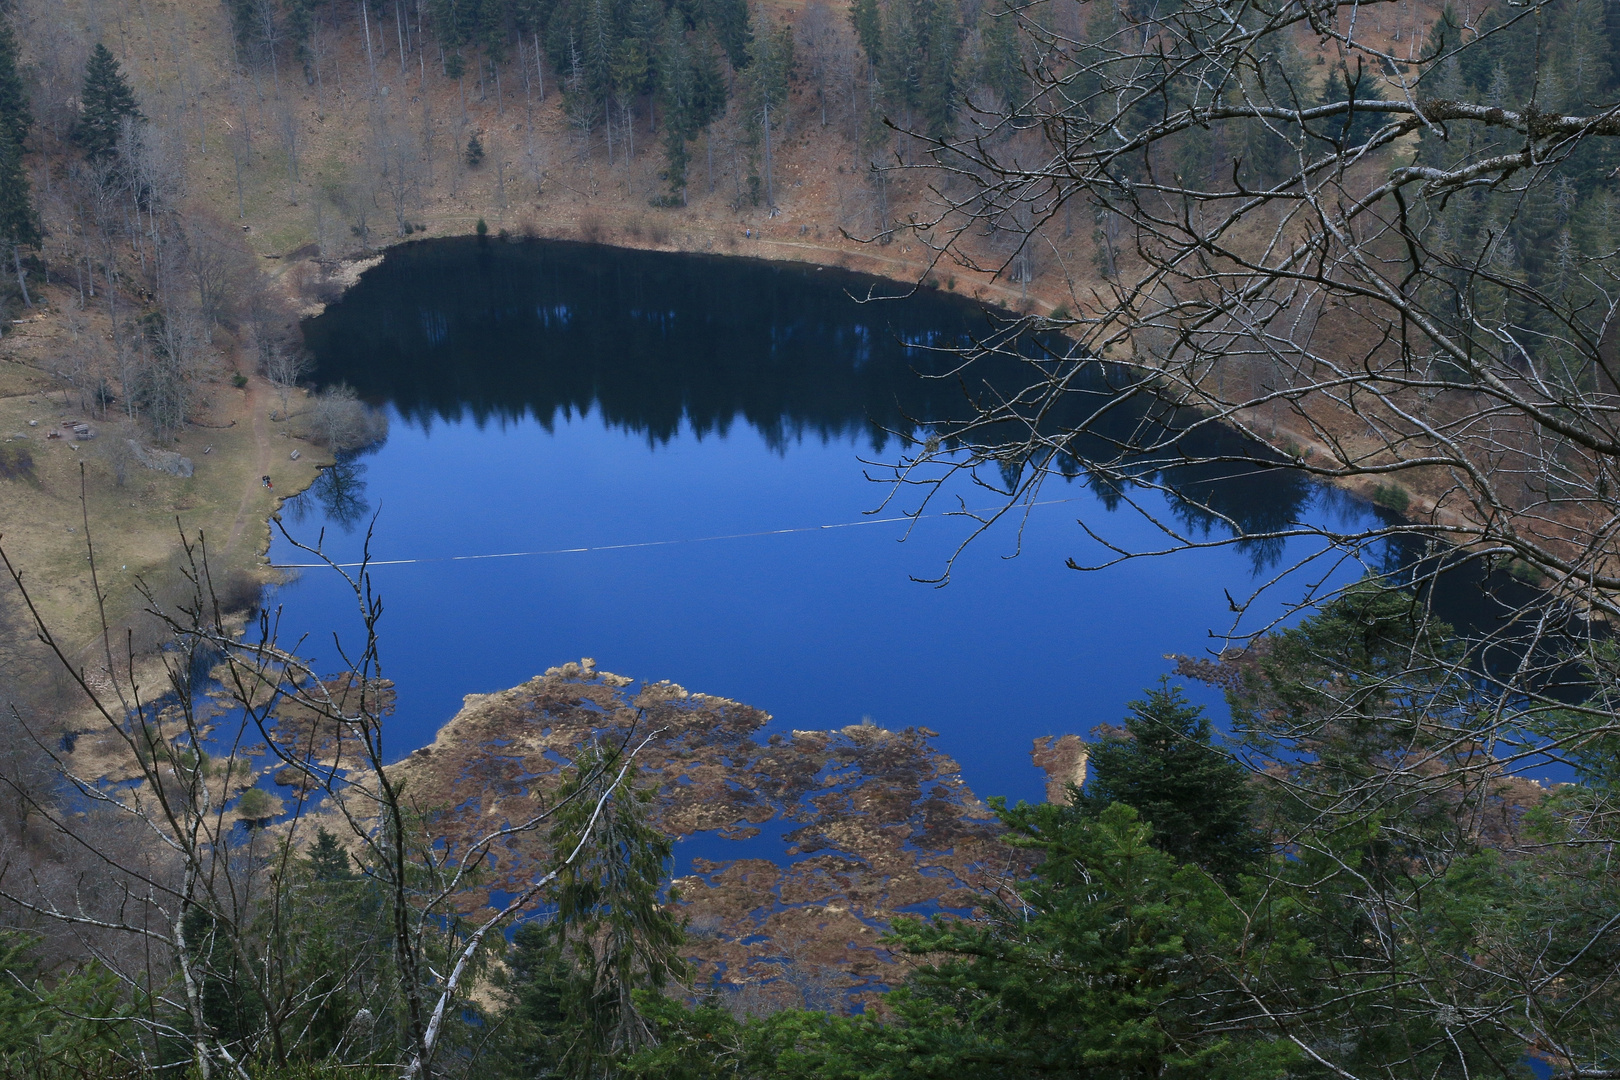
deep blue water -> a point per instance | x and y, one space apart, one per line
549 396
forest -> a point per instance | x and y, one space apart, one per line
1378 242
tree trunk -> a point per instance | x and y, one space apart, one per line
399 32
371 62
770 200
22 276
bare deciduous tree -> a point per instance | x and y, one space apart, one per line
1389 266
219 906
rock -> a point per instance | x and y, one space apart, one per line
295 455
163 461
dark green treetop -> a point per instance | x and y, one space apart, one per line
105 101
571 993
867 19
15 116
1165 767
19 222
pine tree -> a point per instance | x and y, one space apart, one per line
300 21
867 19
733 28
19 223
106 100
1001 68
1355 126
676 96
14 114
770 67
574 977
327 860
939 40
1164 767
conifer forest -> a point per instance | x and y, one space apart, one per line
1363 247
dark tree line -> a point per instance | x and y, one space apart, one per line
19 220
667 71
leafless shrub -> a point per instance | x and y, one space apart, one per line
341 422
284 364
115 450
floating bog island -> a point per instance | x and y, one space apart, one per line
862 823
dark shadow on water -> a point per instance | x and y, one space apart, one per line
338 492
653 342
444 330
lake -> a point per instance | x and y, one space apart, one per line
679 461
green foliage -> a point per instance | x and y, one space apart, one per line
20 224
1096 974
1097 971
692 92
914 46
19 221
867 18
15 116
767 82
474 152
1355 126
1163 766
1353 692
1392 496
300 20
1545 238
1001 67
732 27
244 24
571 990
106 101
72 1023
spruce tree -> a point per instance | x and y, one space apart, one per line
770 68
1357 125
19 223
867 19
14 114
106 100
1001 68
1164 766
692 95
940 39
733 28
675 95
572 994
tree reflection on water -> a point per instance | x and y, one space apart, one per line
339 492
498 331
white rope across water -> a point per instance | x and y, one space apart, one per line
654 543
